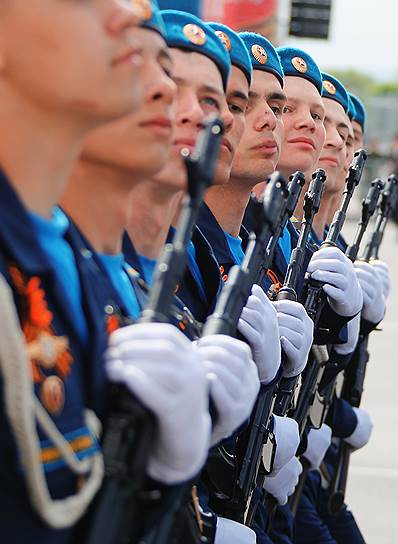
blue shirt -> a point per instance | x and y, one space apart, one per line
148 268
285 244
235 246
50 234
115 267
195 271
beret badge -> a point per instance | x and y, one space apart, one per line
329 87
144 8
300 65
224 40
259 53
194 34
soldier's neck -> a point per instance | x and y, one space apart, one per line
228 204
153 210
322 217
98 201
37 152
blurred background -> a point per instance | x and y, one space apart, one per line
355 40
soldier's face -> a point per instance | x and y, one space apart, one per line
333 156
75 58
358 135
140 143
259 149
237 100
304 130
200 94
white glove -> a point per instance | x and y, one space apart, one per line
287 438
319 441
331 266
353 327
283 484
361 435
158 364
259 325
383 271
296 331
232 532
374 304
233 381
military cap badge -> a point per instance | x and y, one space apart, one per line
224 40
329 87
194 34
259 53
299 64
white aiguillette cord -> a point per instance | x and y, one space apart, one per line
24 412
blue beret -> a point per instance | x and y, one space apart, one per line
235 47
185 31
263 54
334 89
359 111
351 108
296 62
151 17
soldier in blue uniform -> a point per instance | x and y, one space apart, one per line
48 96
105 176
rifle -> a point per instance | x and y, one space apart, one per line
251 466
286 386
267 216
130 428
312 403
355 374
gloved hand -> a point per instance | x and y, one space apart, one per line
331 266
233 381
383 271
283 484
296 331
319 441
374 304
361 435
353 327
287 437
259 325
159 366
228 532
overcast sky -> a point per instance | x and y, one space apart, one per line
364 35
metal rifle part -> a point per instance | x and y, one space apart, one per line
237 289
201 166
267 216
369 205
287 386
315 298
385 206
130 428
295 186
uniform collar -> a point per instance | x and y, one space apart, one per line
17 232
213 232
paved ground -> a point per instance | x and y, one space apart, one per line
373 478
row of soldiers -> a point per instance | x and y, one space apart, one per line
176 317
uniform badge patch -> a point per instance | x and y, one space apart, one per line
259 53
194 34
300 64
224 40
143 9
329 87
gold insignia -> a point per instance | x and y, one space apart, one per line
143 9
224 40
259 53
52 394
329 87
195 34
300 64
